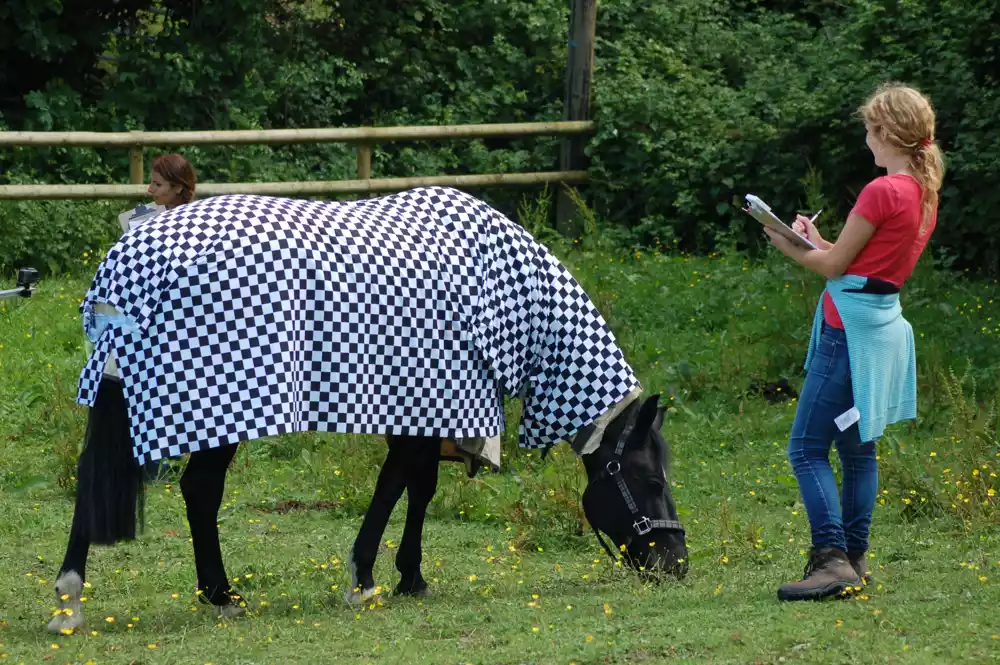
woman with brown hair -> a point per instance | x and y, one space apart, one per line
172 181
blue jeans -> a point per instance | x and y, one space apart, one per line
836 520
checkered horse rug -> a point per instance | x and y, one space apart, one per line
237 317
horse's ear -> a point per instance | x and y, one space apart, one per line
661 413
648 415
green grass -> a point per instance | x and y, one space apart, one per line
516 577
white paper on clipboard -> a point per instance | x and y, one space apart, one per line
138 214
760 211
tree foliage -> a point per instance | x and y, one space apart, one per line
698 101
702 101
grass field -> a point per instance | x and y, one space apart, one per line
516 577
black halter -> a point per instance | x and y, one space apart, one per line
613 469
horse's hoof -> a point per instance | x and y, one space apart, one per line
234 609
234 605
69 615
65 624
55 625
415 589
414 593
231 611
359 596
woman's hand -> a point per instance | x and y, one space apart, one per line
784 245
829 259
807 230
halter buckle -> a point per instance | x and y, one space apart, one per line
643 526
613 467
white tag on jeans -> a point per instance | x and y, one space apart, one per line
848 418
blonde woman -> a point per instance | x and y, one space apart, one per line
861 364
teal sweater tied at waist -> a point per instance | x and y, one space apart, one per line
882 354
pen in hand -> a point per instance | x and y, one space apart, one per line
801 225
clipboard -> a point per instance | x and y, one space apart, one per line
130 218
760 211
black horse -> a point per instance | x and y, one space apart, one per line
410 315
627 497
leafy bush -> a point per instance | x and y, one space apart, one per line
702 101
57 236
698 101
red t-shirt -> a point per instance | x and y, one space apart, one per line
892 205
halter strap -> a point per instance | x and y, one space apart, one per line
643 524
600 539
613 469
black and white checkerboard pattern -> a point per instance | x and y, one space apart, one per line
408 314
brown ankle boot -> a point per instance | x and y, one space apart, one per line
827 574
860 565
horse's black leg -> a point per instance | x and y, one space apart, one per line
421 483
69 581
202 486
78 547
108 500
389 487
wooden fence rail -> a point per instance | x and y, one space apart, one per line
364 137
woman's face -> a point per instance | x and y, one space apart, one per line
163 192
875 144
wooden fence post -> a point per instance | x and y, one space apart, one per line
364 160
136 170
576 105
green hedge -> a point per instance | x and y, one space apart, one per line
698 102
701 102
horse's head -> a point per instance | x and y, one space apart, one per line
628 494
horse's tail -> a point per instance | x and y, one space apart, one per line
110 500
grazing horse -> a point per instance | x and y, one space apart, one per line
412 315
